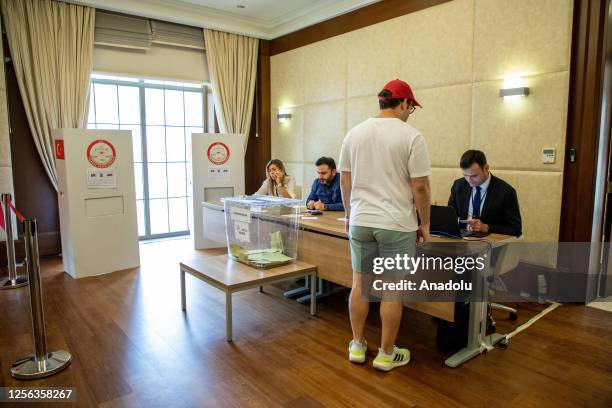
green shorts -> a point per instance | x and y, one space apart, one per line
368 243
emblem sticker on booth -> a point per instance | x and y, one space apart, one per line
218 153
101 153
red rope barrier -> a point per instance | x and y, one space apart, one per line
20 217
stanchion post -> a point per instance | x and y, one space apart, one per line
13 280
42 363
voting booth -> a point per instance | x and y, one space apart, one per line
97 201
217 164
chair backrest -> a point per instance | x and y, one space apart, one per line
507 259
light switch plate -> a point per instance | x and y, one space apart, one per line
548 155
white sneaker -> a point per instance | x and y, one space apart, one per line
387 362
357 351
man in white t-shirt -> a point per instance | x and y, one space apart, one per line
384 181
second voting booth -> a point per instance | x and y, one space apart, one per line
97 201
218 171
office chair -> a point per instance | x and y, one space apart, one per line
298 191
505 261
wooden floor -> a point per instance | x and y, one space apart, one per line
133 347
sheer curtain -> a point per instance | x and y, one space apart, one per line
232 62
51 46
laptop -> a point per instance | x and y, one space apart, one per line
444 222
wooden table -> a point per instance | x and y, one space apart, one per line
325 238
324 242
230 276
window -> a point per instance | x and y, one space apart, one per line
161 115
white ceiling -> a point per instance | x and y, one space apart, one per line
266 19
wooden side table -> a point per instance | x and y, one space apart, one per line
230 276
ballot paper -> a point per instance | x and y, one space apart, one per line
263 257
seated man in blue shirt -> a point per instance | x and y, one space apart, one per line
325 193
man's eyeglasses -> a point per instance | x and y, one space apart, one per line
411 107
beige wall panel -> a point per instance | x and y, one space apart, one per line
455 56
373 58
286 79
288 137
6 179
435 45
360 109
445 122
325 70
323 130
539 195
310 174
441 181
513 133
521 36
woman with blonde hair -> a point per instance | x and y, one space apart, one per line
277 183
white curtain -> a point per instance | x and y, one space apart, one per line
232 62
51 46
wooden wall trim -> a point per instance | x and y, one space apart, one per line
34 194
363 17
583 121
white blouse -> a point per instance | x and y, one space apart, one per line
288 183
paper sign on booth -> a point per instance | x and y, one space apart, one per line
101 178
219 173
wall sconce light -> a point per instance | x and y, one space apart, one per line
521 91
514 88
283 115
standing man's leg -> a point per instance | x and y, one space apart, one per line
391 244
390 317
363 250
358 309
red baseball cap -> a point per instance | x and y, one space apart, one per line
400 90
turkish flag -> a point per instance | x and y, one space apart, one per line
59 149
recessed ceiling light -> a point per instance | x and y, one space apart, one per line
241 6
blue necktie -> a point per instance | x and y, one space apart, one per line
476 204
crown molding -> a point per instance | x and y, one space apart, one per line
182 12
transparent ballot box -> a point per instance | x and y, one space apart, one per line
262 231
